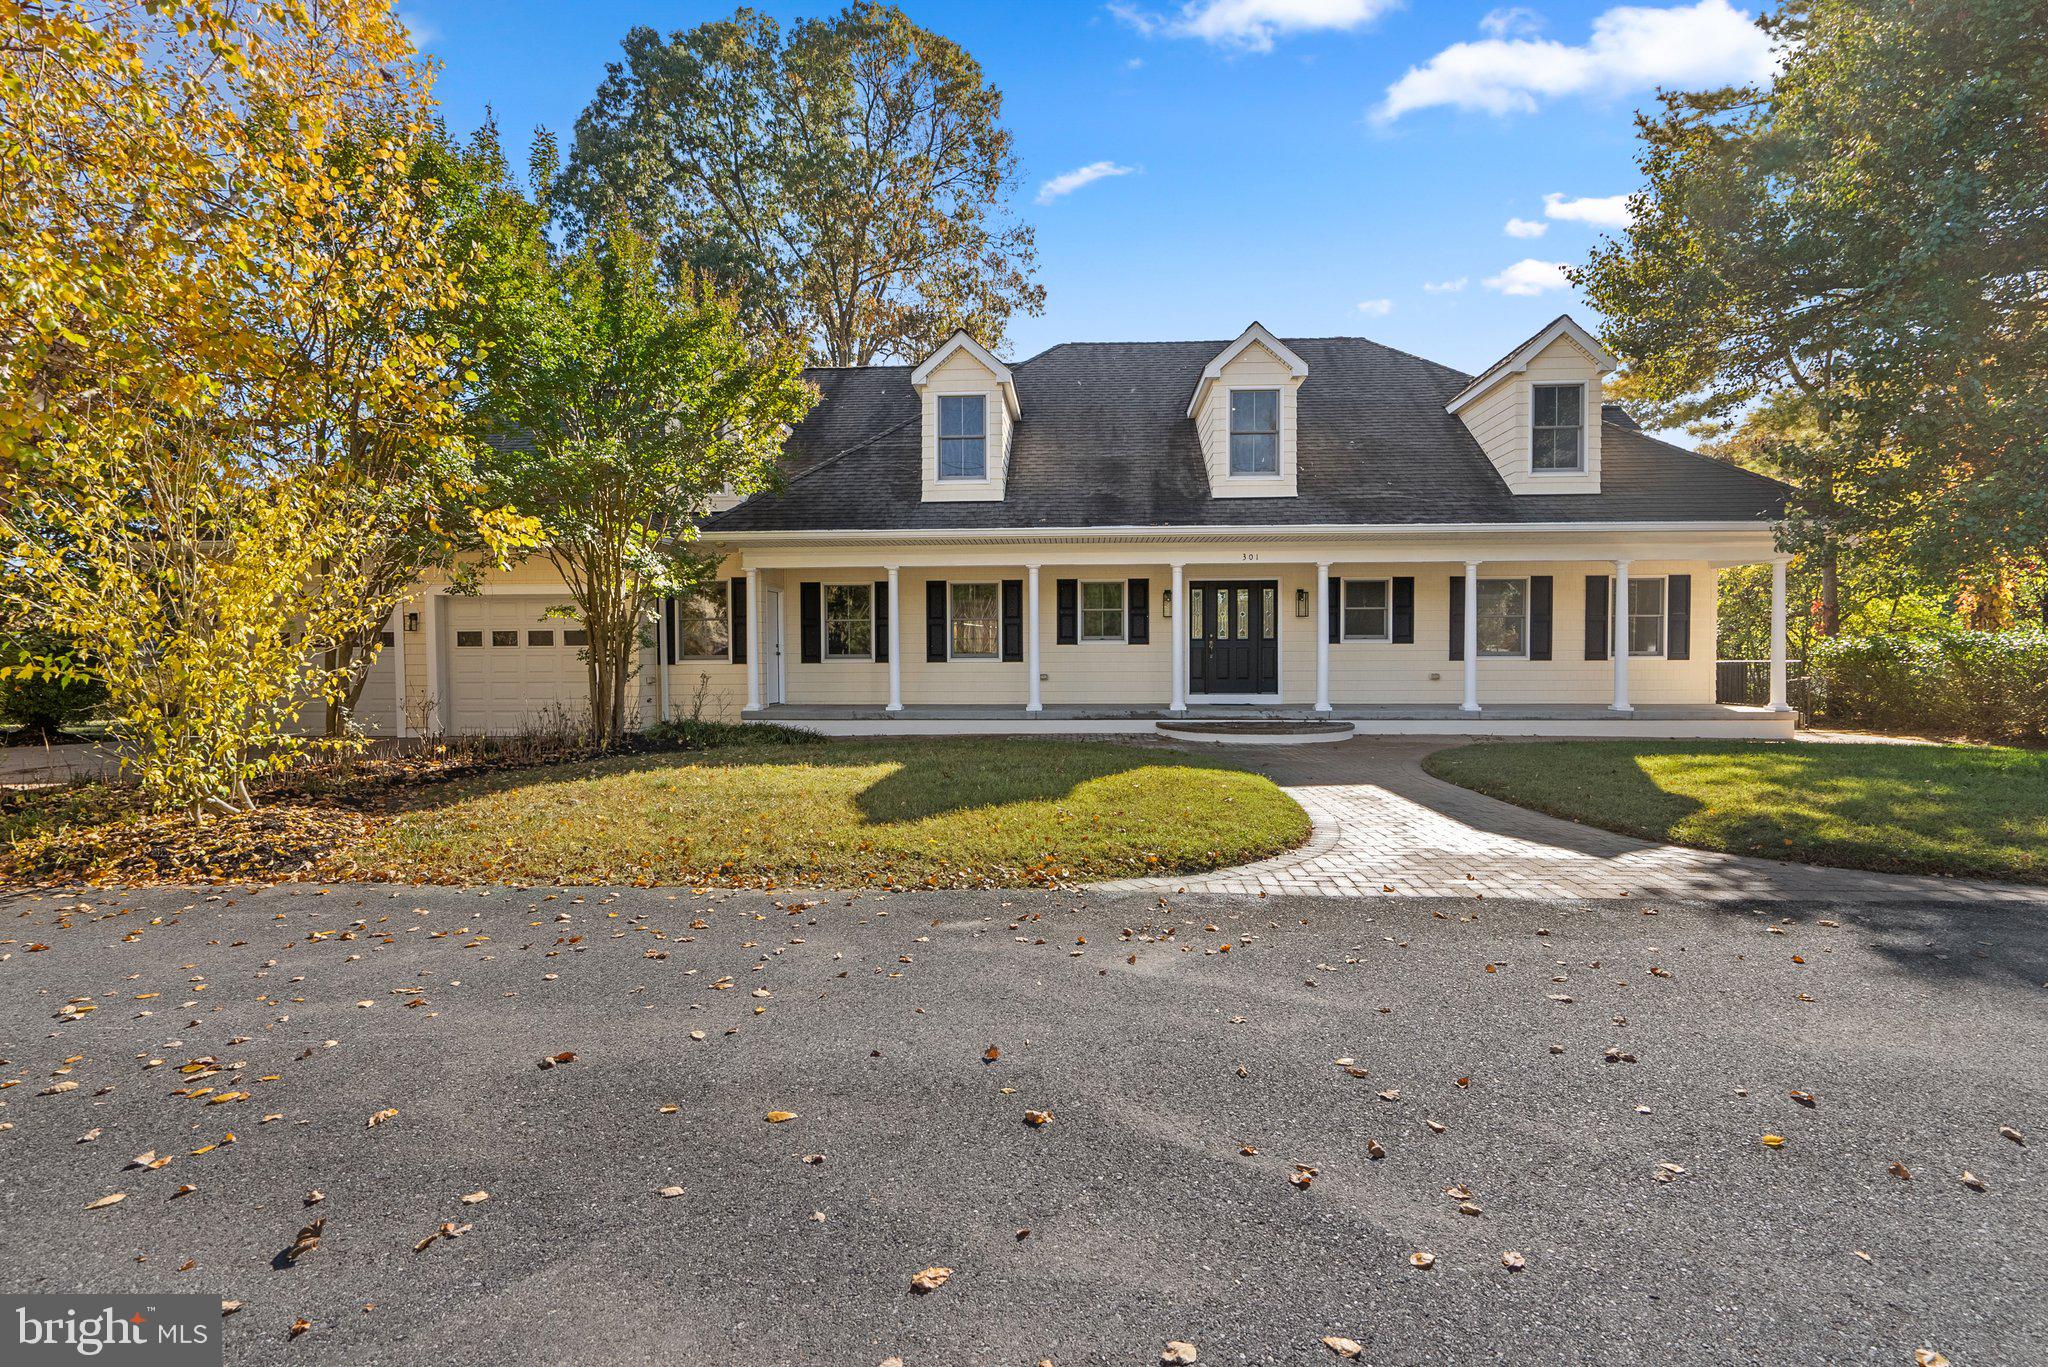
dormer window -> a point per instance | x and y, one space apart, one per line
963 436
1254 431
1558 439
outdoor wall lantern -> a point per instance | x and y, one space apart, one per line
412 621
1166 604
1301 602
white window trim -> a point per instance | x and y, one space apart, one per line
1617 634
724 597
939 439
993 657
825 588
1344 616
1123 620
1479 589
1583 468
1279 470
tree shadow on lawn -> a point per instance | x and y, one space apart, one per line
921 778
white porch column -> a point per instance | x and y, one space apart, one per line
753 629
1471 636
430 627
1778 702
1177 637
398 667
1619 636
895 644
1031 635
1322 626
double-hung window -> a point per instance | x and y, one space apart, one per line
977 621
701 631
1254 431
1646 616
849 622
1102 610
1558 438
1504 618
1368 612
963 436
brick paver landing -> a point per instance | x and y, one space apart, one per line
1383 827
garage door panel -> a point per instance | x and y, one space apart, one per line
512 667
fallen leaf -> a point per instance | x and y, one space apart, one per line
1927 1357
1513 1261
308 1240
1973 1181
114 1199
476 1196
1422 1260
1036 1118
669 1193
380 1117
1805 1099
1177 1353
230 1307
1343 1348
1774 1141
1900 1171
299 1327
2008 1132
931 1279
991 1054
777 1117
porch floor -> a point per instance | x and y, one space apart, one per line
1677 720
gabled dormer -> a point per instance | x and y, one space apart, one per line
1536 411
1244 411
970 416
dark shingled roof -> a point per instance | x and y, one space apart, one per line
1105 441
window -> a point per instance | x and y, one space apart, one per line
1367 614
1504 617
385 638
701 626
1559 435
849 622
576 637
1102 610
469 638
540 638
1254 431
963 436
504 638
977 621
1645 616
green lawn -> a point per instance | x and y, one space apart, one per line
947 812
1980 811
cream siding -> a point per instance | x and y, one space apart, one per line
962 373
1499 419
1255 367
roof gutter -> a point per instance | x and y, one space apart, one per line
1211 533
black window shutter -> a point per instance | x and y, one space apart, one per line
1013 620
1678 609
668 630
1336 609
1457 616
1404 610
882 609
1067 628
1539 616
935 619
1596 616
1138 612
736 622
810 621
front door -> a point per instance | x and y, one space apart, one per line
771 647
1233 637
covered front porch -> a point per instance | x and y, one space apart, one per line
1684 721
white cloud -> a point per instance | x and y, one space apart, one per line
1604 211
1067 182
1525 227
1250 24
1631 48
424 30
1510 21
1445 286
1134 63
1528 277
1376 308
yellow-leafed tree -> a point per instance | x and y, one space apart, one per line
215 272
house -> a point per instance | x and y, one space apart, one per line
1109 535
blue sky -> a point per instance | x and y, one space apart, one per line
1408 172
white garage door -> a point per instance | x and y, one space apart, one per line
512 668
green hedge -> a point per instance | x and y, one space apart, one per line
1992 685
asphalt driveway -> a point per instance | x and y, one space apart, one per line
1547 1060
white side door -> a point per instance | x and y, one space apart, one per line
771 646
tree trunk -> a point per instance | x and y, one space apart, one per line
1830 623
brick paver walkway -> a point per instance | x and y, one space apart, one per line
1383 827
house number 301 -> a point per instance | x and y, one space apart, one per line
1251 555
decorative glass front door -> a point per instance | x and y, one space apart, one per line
1233 637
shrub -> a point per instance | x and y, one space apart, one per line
695 733
1991 685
